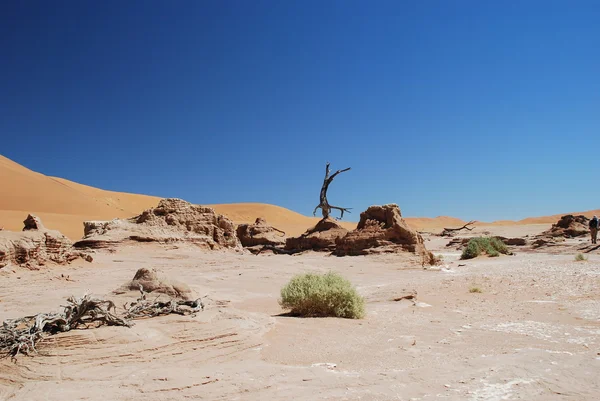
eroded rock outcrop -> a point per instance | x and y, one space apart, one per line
569 226
36 246
515 241
321 237
33 223
173 220
153 281
260 233
383 230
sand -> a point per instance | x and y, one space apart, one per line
64 205
532 334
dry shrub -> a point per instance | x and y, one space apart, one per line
492 246
321 295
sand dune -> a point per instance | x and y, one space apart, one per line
64 205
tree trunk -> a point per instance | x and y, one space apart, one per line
324 204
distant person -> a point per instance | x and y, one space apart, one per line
594 229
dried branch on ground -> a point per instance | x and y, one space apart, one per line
142 308
23 334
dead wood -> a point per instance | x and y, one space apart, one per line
23 334
449 231
412 296
324 204
142 308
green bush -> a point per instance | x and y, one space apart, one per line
476 290
320 295
579 257
490 245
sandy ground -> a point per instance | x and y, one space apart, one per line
532 334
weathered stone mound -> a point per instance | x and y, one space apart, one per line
33 223
321 237
516 241
153 281
36 246
382 230
569 226
173 220
260 233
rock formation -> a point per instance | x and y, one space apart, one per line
173 220
153 281
569 226
260 233
516 241
33 223
321 237
382 230
36 246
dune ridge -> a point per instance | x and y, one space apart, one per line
64 205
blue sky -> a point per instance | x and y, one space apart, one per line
475 109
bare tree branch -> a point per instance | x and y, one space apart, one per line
449 231
324 204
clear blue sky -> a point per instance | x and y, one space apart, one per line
475 109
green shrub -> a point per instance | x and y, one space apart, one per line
320 295
490 245
475 290
579 257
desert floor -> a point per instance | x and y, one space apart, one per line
532 334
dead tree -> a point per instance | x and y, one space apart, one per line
324 204
450 231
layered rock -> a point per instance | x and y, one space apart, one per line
36 246
260 233
321 237
173 220
153 281
383 230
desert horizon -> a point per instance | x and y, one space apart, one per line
64 205
278 200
